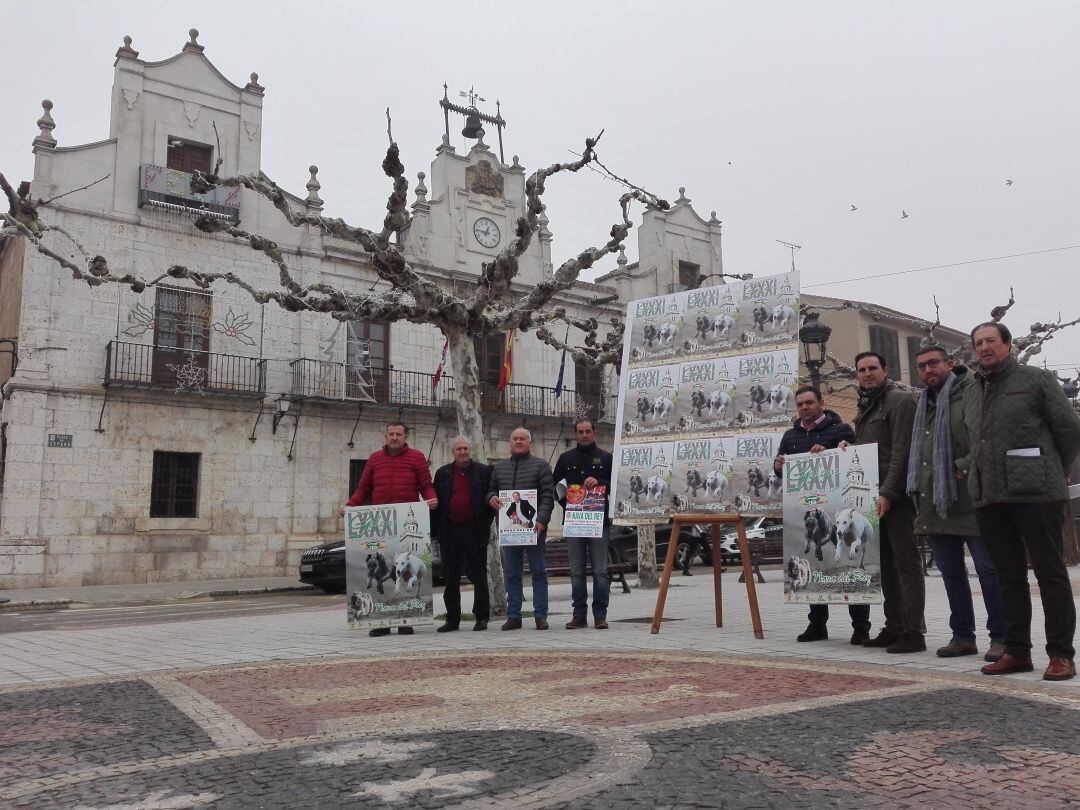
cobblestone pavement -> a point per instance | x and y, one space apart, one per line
538 729
293 710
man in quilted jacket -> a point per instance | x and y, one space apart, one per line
394 474
1024 437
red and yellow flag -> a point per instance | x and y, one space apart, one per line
508 361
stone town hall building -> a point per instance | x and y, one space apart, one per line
139 440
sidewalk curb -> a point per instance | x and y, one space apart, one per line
38 604
245 591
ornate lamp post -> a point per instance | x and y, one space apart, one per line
814 335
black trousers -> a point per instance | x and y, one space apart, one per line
464 550
1009 529
860 616
902 576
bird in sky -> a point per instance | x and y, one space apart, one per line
853 208
1008 182
903 214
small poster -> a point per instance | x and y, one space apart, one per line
584 513
765 385
644 475
702 475
652 399
757 487
388 565
832 547
517 517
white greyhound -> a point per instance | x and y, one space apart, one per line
782 316
853 534
410 571
779 397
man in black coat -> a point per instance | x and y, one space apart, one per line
462 523
589 467
817 429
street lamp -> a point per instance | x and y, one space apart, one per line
814 335
282 409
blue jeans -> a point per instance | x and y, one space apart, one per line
949 559
514 565
579 587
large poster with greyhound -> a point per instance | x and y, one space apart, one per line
720 365
832 549
388 565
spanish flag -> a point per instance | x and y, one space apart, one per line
508 361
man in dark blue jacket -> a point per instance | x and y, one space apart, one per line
817 429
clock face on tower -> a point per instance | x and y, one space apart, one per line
486 232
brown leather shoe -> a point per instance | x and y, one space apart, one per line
512 624
958 647
1008 664
600 624
541 624
1060 669
577 623
882 639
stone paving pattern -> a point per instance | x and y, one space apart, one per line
292 709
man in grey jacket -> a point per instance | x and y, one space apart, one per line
946 515
525 471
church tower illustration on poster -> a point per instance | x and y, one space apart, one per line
856 493
411 539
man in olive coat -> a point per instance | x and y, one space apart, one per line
885 416
946 515
1024 435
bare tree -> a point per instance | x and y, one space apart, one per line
492 306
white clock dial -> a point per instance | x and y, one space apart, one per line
486 232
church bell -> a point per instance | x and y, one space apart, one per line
472 126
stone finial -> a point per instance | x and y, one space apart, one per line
712 219
46 124
543 230
421 189
621 260
445 145
517 164
193 44
125 51
683 199
313 186
253 86
480 141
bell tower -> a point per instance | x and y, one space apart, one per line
470 213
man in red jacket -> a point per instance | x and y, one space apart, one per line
395 474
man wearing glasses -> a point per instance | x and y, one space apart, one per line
946 515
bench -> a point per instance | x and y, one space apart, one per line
557 563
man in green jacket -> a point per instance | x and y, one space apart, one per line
946 515
885 416
1024 436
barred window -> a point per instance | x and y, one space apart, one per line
174 488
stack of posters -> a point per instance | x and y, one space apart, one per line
706 391
832 549
388 565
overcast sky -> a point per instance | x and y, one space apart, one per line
778 116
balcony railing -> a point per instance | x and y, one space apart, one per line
145 366
321 379
171 189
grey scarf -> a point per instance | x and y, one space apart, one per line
944 476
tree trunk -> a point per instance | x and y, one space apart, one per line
471 425
648 576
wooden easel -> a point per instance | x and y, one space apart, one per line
714 522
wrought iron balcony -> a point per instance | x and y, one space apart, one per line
163 367
324 380
171 189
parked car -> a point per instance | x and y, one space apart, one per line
324 566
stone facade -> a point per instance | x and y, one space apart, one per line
79 455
